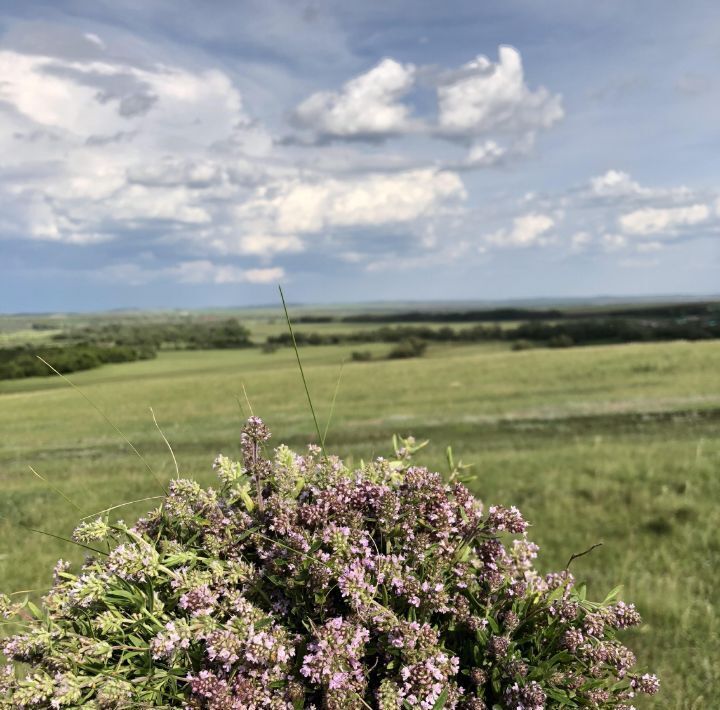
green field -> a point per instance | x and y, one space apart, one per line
614 444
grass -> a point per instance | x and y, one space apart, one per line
616 444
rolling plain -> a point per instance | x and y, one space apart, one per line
614 444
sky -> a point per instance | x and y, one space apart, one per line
179 154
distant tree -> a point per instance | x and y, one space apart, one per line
361 356
411 347
561 341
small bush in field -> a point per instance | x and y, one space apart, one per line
561 341
299 583
361 356
410 347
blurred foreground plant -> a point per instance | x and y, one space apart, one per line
300 583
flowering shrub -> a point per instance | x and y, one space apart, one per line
299 583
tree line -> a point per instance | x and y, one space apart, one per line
164 335
496 315
19 362
92 346
564 334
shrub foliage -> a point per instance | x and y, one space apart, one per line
299 583
91 347
16 363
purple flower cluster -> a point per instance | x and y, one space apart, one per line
334 659
301 583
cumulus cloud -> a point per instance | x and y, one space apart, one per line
102 131
485 104
485 154
649 247
82 99
261 245
299 207
656 220
483 97
613 242
171 156
204 271
616 183
527 230
580 241
367 106
170 160
196 271
616 186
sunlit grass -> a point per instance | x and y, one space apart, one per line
610 444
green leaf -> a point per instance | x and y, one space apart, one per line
555 594
247 533
34 610
298 487
557 695
440 702
612 594
248 502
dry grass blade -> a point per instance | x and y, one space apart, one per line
332 404
56 489
121 505
56 537
247 400
172 453
321 439
107 419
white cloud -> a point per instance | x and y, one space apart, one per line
185 164
654 220
616 183
476 101
649 247
94 39
97 136
485 153
613 242
265 276
203 271
297 207
368 105
527 230
80 100
261 245
198 271
197 173
483 96
580 241
617 186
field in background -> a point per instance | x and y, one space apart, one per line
614 444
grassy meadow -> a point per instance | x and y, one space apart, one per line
611 444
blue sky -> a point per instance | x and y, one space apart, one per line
169 153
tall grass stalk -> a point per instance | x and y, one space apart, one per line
321 439
56 489
172 453
108 420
